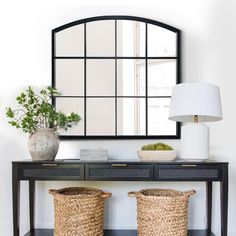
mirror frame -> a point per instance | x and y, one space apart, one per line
177 57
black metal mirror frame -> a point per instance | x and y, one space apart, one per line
115 18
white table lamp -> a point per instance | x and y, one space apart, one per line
194 103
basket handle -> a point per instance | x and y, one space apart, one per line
190 192
106 195
52 191
133 194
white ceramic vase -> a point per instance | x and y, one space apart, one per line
43 144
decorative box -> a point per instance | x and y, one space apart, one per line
98 154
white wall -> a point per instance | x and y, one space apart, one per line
209 36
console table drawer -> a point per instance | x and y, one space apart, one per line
53 171
188 172
123 172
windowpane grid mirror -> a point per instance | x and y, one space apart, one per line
117 72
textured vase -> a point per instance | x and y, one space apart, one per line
43 144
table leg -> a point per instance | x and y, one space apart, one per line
224 200
209 205
15 200
31 203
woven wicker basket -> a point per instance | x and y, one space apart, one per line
162 212
78 211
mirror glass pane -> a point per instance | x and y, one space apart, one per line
130 38
131 118
100 119
70 41
131 77
161 42
158 122
100 77
100 36
70 76
161 77
68 105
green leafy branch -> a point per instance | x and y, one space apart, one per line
36 111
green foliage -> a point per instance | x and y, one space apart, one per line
157 146
36 111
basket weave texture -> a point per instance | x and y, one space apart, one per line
78 211
162 212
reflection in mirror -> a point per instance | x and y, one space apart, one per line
70 41
100 116
131 118
70 76
161 77
158 122
130 38
68 105
100 36
100 77
161 42
131 77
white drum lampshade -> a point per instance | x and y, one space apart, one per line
195 102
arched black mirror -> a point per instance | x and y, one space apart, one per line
117 72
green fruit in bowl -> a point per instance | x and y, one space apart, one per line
167 147
163 146
160 146
149 147
157 146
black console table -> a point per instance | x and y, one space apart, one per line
76 170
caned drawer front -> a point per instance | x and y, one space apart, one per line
52 171
118 172
188 172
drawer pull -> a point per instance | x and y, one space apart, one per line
119 165
49 165
189 165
